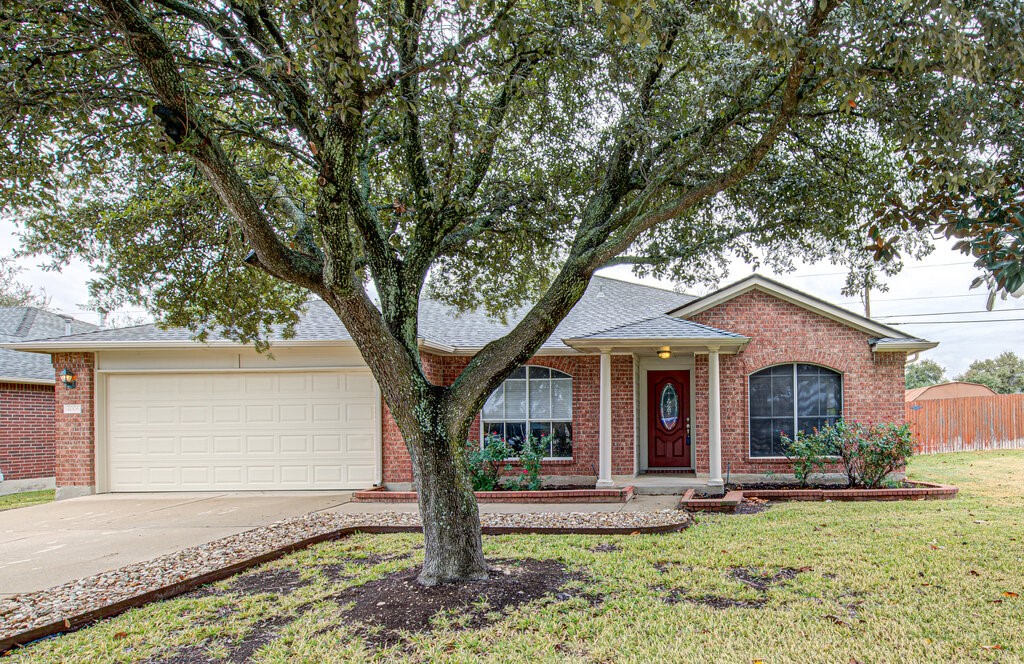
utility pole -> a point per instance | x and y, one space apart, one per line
867 300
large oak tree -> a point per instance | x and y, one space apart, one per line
497 152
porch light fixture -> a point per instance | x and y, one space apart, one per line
664 352
68 379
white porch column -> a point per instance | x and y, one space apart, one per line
604 477
714 420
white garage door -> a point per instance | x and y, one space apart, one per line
242 431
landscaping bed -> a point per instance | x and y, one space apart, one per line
694 502
30 616
546 495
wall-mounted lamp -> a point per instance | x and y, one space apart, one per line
68 379
664 352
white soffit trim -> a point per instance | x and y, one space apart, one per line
26 381
903 346
791 295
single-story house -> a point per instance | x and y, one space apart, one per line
635 380
952 390
26 398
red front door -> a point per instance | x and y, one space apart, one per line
668 419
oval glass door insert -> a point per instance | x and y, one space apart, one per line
669 407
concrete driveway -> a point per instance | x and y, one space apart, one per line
47 545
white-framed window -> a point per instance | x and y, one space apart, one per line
788 398
533 401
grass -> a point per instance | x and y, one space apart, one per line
877 582
15 500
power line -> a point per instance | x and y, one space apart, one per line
921 297
953 322
947 313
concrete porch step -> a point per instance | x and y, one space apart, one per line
664 484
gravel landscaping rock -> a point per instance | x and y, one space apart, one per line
20 613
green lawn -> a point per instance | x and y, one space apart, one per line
872 582
15 500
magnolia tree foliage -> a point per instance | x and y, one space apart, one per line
497 152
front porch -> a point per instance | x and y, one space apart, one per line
670 453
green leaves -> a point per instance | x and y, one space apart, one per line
486 142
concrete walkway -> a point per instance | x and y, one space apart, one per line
47 545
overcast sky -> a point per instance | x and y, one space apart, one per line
930 299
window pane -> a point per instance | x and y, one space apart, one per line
820 391
561 445
515 399
782 394
539 372
494 409
494 429
518 373
539 430
559 374
561 399
540 398
760 395
760 438
515 433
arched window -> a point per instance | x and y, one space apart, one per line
790 398
534 401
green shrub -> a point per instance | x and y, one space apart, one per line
868 454
487 461
808 452
530 458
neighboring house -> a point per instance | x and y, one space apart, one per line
952 390
26 397
635 380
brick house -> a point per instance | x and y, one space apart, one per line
26 398
637 384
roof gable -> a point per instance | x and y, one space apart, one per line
799 298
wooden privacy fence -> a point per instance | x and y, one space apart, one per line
968 423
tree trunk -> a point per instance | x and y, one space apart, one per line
448 509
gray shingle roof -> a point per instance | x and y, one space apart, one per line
16 366
664 327
317 323
27 324
607 303
24 323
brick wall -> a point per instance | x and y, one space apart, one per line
586 386
781 332
75 434
26 431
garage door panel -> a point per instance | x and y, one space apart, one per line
284 430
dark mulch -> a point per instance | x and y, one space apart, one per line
277 581
764 580
752 507
759 580
397 603
720 603
604 547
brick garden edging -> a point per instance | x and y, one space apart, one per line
382 495
729 502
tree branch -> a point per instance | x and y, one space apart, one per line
158 63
